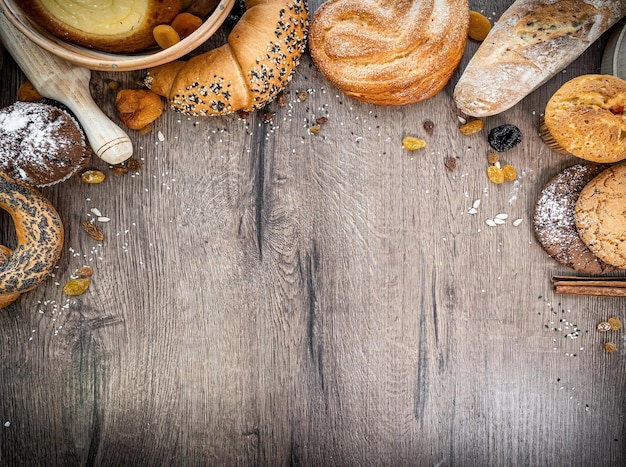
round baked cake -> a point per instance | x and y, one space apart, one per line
554 220
41 144
601 215
585 117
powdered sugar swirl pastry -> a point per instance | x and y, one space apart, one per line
531 42
41 144
389 52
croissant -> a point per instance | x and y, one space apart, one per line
389 52
244 74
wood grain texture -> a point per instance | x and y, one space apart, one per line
265 296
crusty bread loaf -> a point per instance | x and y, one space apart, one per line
531 42
389 52
247 72
119 27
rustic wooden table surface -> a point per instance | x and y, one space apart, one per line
266 296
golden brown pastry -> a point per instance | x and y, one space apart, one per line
247 72
531 42
117 26
585 117
39 232
389 52
601 217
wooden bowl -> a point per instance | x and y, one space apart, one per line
96 60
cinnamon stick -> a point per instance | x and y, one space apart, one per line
598 286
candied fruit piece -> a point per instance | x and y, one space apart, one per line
479 26
93 176
509 172
495 174
471 127
493 157
504 137
412 143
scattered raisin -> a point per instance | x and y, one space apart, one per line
133 165
113 85
479 26
509 172
450 163
610 347
495 174
242 114
84 271
412 143
281 99
493 157
315 129
268 117
615 324
92 230
76 286
93 176
303 95
504 137
321 120
120 169
471 127
429 127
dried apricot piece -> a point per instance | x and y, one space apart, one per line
28 93
412 143
495 174
471 127
185 24
509 172
479 26
138 108
165 35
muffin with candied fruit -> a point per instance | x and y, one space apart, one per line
585 118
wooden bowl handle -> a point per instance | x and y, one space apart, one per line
57 79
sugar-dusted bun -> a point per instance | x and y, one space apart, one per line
389 52
585 117
118 26
41 144
601 217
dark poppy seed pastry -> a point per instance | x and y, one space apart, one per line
41 144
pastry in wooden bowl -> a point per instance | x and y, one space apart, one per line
389 53
585 117
531 42
118 26
247 72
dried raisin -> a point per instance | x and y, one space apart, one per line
429 127
504 137
412 143
471 127
509 172
76 286
495 174
93 176
615 324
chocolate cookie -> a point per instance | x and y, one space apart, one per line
554 220
601 215
41 144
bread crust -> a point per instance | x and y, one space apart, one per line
139 38
389 52
244 74
531 42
